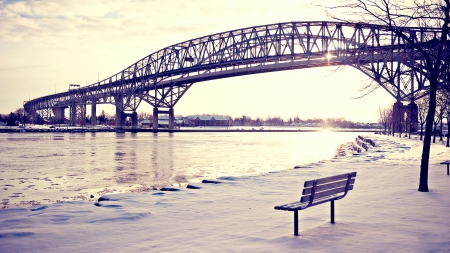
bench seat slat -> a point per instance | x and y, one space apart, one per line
320 188
292 206
323 194
329 179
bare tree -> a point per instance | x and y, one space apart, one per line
384 117
444 97
422 105
144 115
390 119
436 121
23 116
397 14
441 110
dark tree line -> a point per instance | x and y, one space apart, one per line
296 121
16 118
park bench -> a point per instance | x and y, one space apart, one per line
446 162
320 191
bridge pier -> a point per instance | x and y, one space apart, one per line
405 118
134 120
171 118
156 112
93 113
155 118
120 123
121 118
59 114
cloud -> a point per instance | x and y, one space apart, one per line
22 67
52 22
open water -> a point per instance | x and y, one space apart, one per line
41 168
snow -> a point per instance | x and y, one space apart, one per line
384 212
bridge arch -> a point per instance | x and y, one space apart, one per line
163 77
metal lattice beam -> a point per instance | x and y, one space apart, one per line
163 77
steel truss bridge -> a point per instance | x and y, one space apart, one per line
163 77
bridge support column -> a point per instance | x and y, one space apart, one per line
155 118
405 117
93 113
59 114
156 111
413 117
398 114
171 118
134 120
119 118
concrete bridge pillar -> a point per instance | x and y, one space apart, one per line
120 119
405 117
155 118
59 114
93 113
156 111
171 118
134 120
398 116
413 117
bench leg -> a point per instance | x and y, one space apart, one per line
447 169
295 222
332 211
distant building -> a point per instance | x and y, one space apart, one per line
146 123
163 120
207 120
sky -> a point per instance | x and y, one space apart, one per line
383 213
47 45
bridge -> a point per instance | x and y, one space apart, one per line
163 77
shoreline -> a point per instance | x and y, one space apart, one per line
165 130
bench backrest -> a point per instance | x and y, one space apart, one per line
326 189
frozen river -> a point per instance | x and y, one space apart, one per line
41 168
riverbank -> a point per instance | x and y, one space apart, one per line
48 129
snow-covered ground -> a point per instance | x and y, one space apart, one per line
384 213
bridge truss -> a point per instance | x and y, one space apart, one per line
163 77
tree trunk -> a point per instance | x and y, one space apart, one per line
448 132
421 131
434 134
423 181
